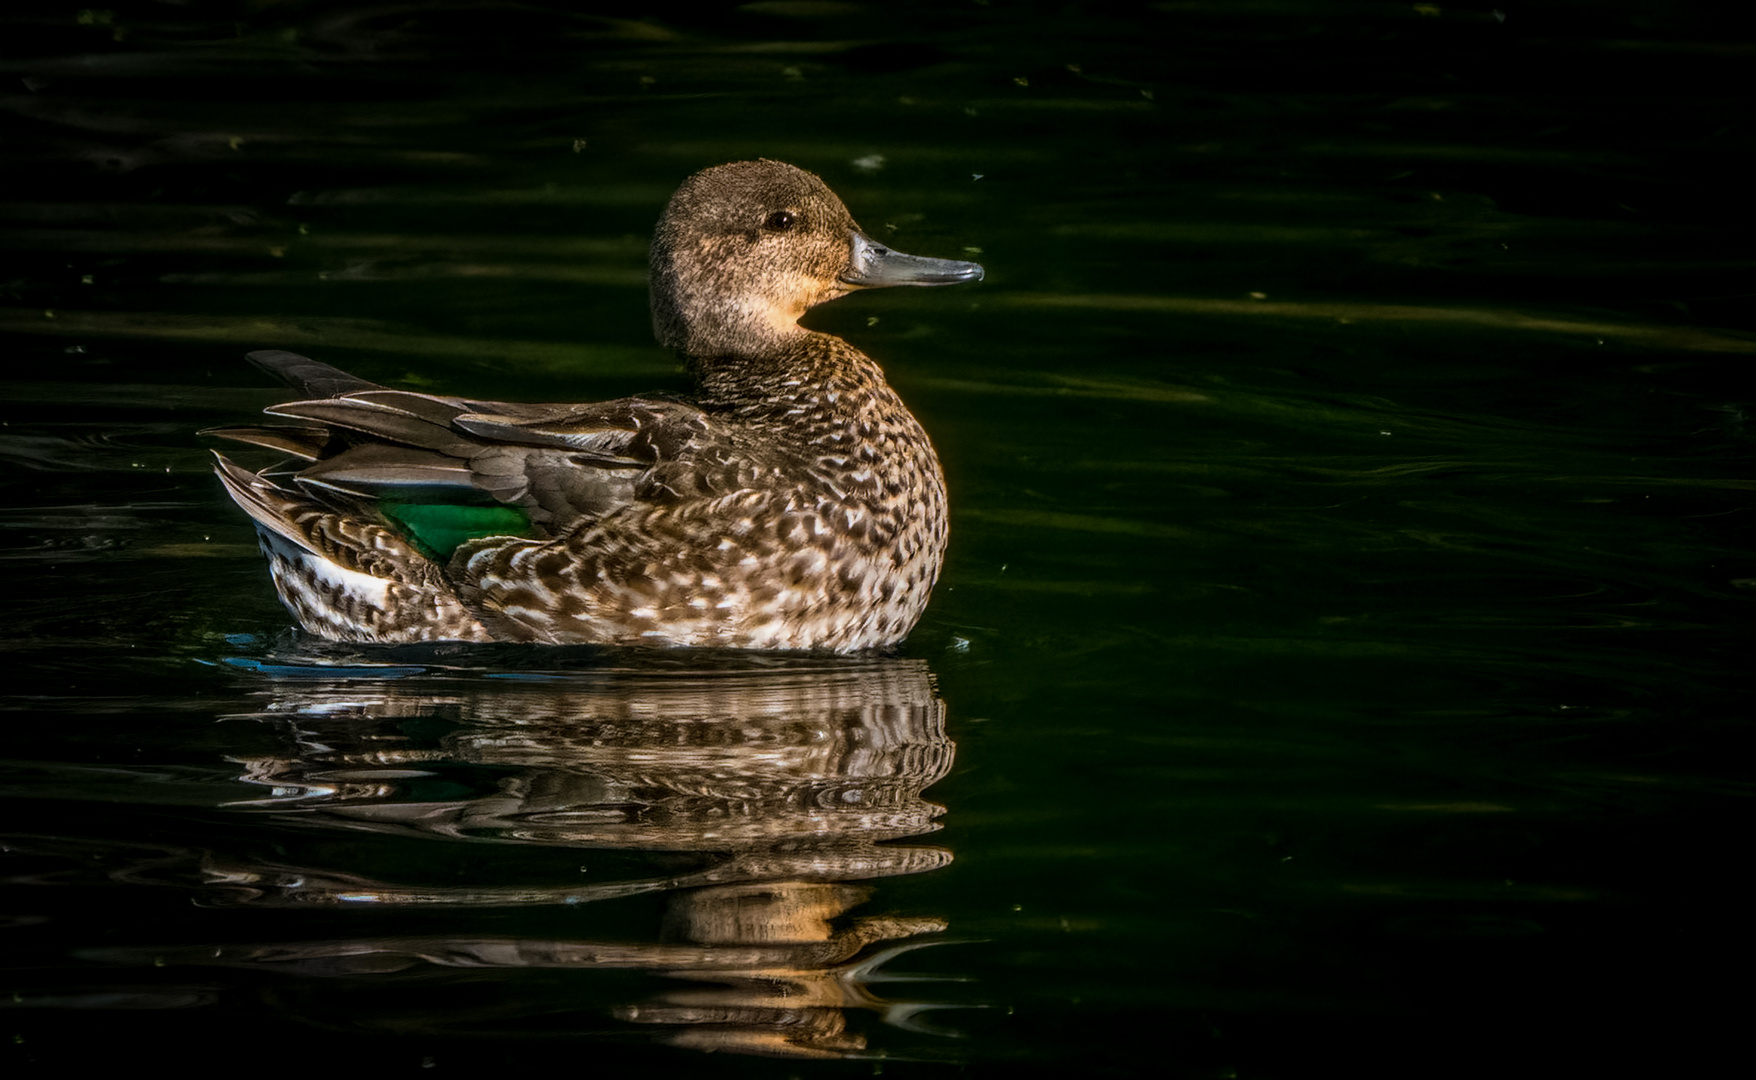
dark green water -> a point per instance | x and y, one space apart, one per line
1342 665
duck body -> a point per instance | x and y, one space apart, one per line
793 502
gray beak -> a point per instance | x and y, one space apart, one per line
874 266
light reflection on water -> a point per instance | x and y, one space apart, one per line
757 800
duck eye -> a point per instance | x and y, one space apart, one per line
779 221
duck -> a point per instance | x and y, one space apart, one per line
791 501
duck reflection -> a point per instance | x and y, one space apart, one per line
755 799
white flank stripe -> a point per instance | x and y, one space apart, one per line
364 588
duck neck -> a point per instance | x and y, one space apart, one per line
731 331
695 316
809 368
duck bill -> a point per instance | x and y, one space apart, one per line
873 266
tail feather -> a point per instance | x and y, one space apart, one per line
306 444
266 504
343 578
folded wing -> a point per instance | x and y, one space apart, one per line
372 451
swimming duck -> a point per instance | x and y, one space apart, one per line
792 502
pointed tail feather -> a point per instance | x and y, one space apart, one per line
346 579
305 443
265 503
312 377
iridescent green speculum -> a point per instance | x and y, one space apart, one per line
438 529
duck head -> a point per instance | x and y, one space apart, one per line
743 250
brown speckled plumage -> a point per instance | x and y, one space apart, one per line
794 503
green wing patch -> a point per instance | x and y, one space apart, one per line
439 529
